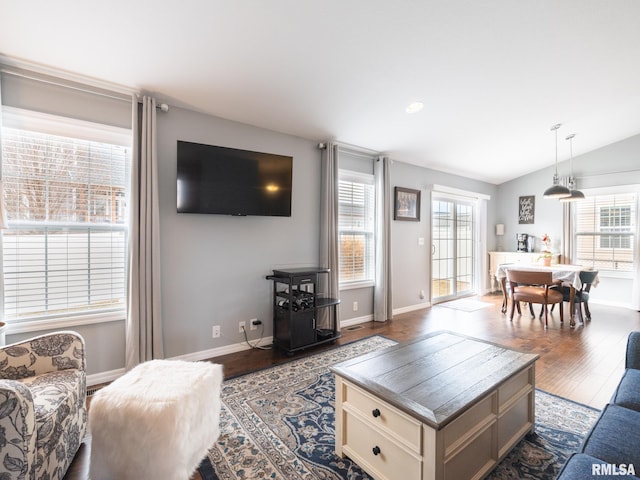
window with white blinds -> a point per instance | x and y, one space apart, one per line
66 247
356 223
606 229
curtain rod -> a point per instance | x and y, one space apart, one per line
352 149
73 85
159 106
121 94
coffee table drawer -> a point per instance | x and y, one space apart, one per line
386 417
378 454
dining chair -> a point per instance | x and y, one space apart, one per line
581 297
504 286
533 287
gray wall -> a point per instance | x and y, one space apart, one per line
214 266
48 97
411 263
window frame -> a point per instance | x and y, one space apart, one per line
610 232
345 175
633 232
48 124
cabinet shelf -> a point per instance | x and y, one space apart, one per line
302 318
326 302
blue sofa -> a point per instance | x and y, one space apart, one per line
611 450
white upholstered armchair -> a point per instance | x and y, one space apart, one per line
43 413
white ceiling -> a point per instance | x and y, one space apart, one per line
494 75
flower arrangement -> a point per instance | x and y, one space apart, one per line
546 250
546 245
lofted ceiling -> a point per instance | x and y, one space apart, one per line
493 75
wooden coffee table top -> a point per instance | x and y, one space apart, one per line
437 377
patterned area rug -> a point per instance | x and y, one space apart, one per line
279 423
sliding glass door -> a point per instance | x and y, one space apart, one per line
452 263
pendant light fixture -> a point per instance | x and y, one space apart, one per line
556 190
575 194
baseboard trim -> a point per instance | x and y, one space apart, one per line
598 301
224 350
104 377
411 308
356 321
110 376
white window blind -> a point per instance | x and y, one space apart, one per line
66 247
356 197
605 231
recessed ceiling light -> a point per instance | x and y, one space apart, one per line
415 107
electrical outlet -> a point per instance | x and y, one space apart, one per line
242 326
216 331
355 306
252 325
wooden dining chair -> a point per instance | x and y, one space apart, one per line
533 287
504 287
581 297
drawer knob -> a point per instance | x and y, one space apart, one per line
376 450
375 412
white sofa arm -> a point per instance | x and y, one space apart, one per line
17 430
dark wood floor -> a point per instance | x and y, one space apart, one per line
583 364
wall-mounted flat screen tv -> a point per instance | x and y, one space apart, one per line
229 181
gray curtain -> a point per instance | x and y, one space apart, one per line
382 307
567 233
144 321
329 247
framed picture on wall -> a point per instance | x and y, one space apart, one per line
526 209
407 204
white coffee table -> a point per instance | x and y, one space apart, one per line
444 406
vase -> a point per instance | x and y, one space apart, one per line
546 261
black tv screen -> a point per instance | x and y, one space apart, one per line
229 181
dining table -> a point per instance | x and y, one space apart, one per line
562 274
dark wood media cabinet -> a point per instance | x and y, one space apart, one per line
302 317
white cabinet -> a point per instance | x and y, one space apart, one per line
523 258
